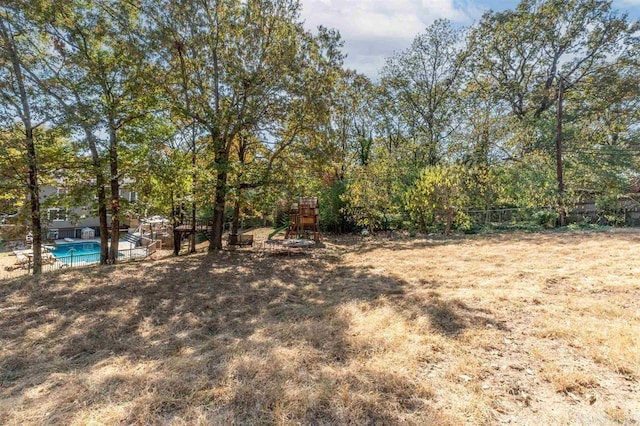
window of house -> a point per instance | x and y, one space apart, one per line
57 215
61 191
133 196
52 234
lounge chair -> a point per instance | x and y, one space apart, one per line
22 258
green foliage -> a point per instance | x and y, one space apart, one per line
482 186
218 102
529 182
423 82
332 207
236 69
609 210
438 198
545 218
369 198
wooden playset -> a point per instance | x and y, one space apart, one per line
304 219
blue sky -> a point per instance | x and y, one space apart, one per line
374 29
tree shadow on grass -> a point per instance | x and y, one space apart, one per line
450 317
230 337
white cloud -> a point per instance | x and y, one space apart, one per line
375 29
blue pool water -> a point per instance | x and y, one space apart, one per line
77 253
63 250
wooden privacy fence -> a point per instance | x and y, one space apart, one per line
626 216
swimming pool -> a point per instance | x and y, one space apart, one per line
62 250
77 253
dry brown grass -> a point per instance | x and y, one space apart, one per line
522 328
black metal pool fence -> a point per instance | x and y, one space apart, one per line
72 260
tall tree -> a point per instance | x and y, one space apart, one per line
602 121
16 95
481 140
423 81
100 65
59 78
228 65
545 48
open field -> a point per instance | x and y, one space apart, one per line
508 328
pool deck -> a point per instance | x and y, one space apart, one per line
75 240
126 250
23 257
122 245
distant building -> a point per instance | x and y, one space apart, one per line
62 222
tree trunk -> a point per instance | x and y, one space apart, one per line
221 164
235 222
102 217
101 195
192 237
192 241
449 221
559 168
175 222
115 194
34 193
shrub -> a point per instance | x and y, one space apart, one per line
438 198
546 218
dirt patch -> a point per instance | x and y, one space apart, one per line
512 328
